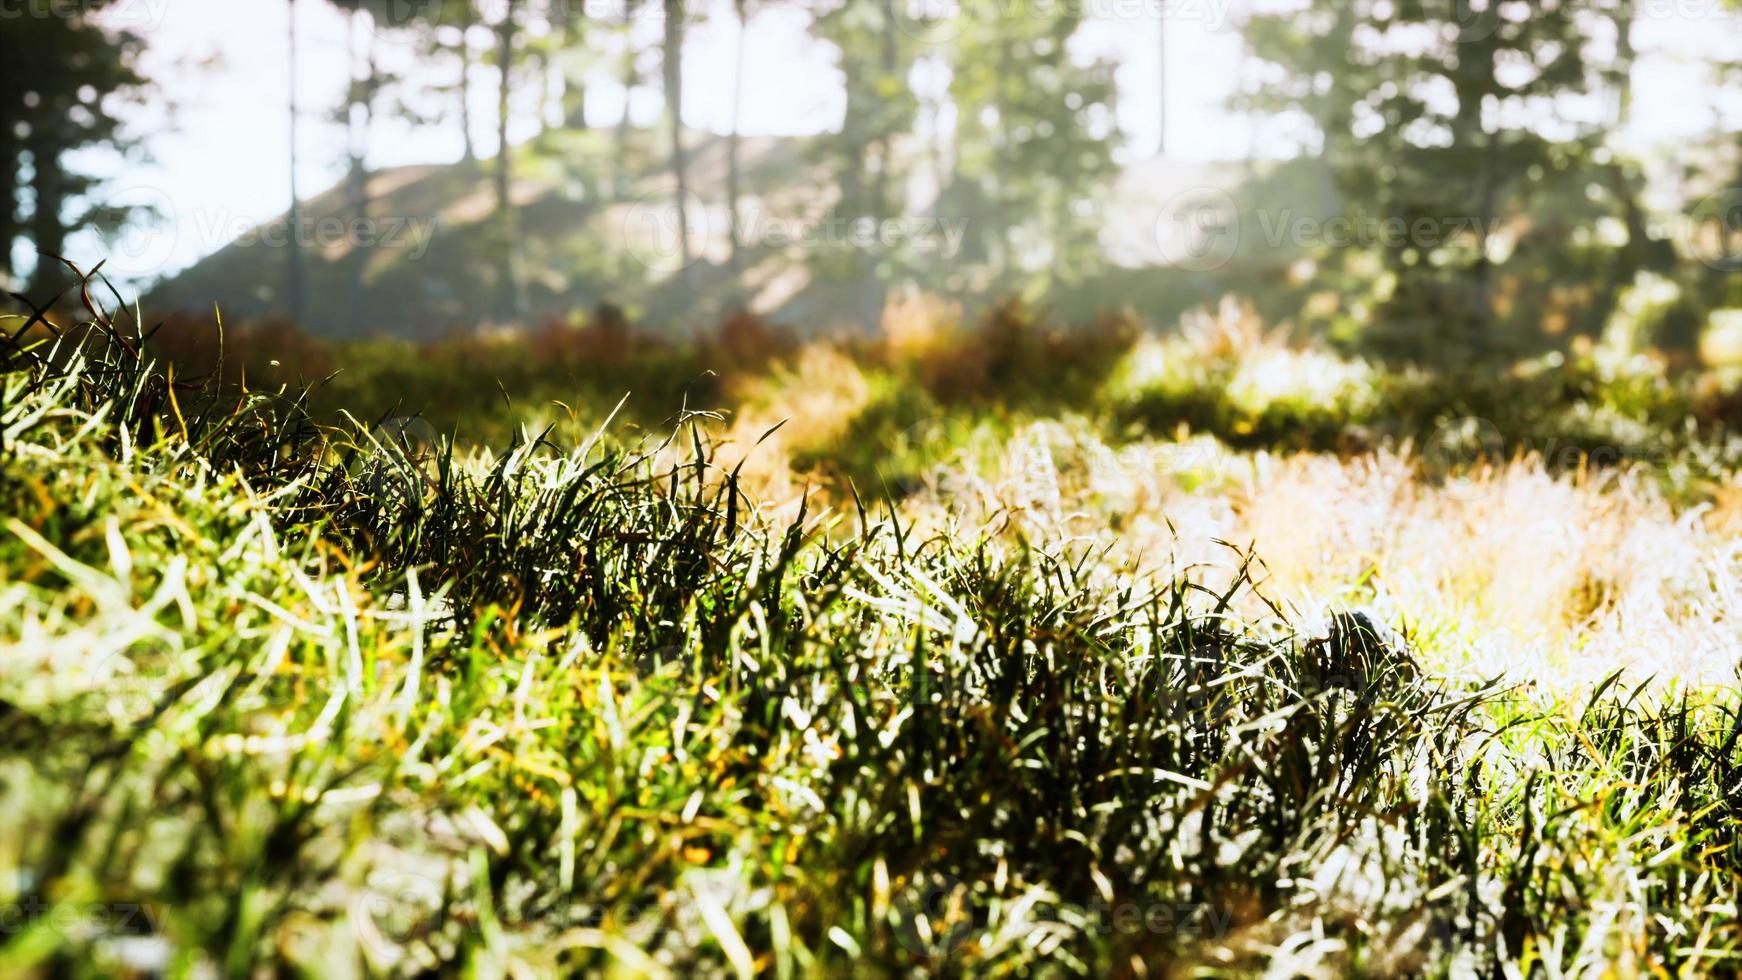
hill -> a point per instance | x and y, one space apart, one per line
596 225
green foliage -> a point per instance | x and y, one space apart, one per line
1569 411
1034 142
1447 117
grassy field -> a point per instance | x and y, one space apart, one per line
1013 650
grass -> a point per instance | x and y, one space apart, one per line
282 692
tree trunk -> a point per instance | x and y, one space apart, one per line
891 54
1625 56
9 227
855 140
673 68
1473 81
631 78
1624 179
542 68
511 302
1007 73
1335 111
361 121
873 292
574 75
294 282
1161 84
47 233
733 177
468 18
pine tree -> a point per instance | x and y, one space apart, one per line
741 9
63 82
512 296
672 66
1034 143
874 57
1444 115
296 283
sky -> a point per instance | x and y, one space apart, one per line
213 159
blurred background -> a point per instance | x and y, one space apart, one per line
1430 182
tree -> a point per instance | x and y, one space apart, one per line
672 66
1034 140
734 188
874 58
295 284
463 48
358 115
1161 83
570 35
444 34
63 81
1444 115
631 81
11 154
513 300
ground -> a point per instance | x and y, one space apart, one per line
1230 655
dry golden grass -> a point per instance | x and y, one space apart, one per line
1557 579
811 400
1549 576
